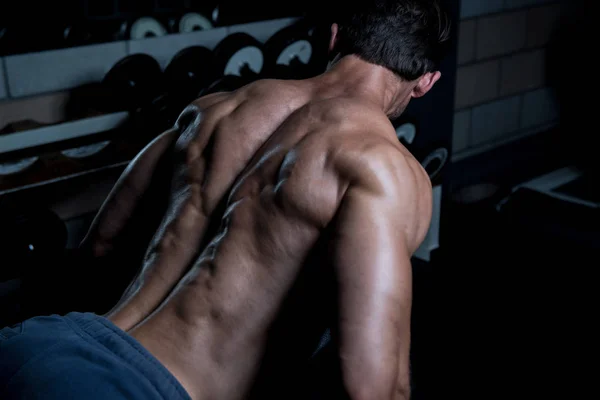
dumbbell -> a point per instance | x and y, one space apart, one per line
141 28
14 167
9 168
189 71
190 22
433 159
77 34
239 54
238 60
187 74
406 131
293 52
130 84
434 162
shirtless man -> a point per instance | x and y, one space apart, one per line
263 177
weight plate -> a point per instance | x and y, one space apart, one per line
85 151
146 27
215 14
192 22
300 50
134 80
76 35
435 161
238 52
290 45
190 69
14 167
250 56
406 132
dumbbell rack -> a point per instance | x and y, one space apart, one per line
31 74
55 70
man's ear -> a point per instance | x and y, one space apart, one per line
425 83
333 39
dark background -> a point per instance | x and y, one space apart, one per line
505 306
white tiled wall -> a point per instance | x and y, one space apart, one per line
493 120
522 72
523 3
539 108
541 23
477 83
466 40
473 8
501 78
500 34
462 124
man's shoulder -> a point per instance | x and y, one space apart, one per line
371 158
388 178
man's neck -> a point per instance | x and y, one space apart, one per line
353 77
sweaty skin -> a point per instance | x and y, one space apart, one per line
261 176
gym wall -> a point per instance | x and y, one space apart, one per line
502 93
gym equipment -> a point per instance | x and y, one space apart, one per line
144 27
559 210
13 167
289 53
406 133
190 70
86 151
239 54
434 162
132 83
76 34
238 61
192 22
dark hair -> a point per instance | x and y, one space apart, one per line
409 37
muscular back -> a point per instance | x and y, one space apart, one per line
214 139
284 163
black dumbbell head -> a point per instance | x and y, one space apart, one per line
239 54
134 81
146 27
192 22
190 70
290 49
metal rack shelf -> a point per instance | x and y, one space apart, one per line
55 70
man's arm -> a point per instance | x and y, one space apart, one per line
377 229
132 187
116 243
